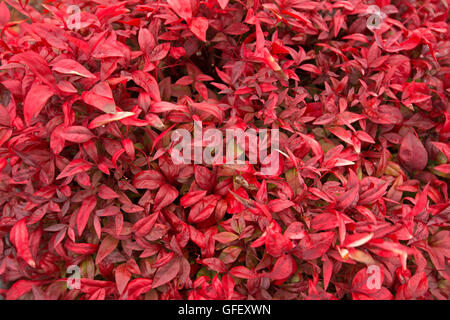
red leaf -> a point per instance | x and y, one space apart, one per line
107 118
37 65
416 287
327 271
19 237
21 287
197 237
177 52
166 258
107 193
181 8
146 41
311 68
364 136
223 3
76 166
314 145
192 198
357 239
87 206
421 202
166 273
4 14
76 134
412 153
122 276
69 66
165 196
143 226
128 147
204 178
149 179
278 205
283 268
314 246
35 100
444 168
203 209
243 273
164 106
236 29
136 287
342 134
81 248
276 243
148 83
213 109
225 237
214 264
101 97
295 231
159 52
198 26
106 247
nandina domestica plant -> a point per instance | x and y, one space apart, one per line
96 204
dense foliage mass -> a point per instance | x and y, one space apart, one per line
358 209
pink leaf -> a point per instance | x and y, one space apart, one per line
4 14
198 26
223 3
181 8
122 276
146 41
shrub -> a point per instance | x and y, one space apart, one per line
93 205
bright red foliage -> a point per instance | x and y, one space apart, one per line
359 208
